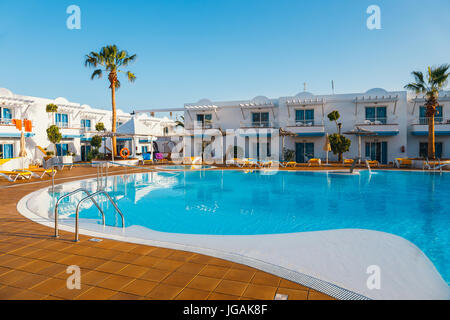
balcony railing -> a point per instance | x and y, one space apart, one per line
259 124
5 121
437 120
375 121
201 125
62 125
304 123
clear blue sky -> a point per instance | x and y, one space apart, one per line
219 49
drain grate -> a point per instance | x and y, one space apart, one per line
280 296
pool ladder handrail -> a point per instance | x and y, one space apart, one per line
68 195
90 197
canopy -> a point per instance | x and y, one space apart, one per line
134 127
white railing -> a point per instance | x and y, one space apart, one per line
5 121
437 120
259 124
375 121
201 125
304 123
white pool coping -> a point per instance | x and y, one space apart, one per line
334 262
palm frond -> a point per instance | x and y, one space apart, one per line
131 77
418 76
416 87
97 73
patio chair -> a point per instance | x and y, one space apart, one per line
12 176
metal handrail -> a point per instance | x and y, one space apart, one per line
69 194
90 197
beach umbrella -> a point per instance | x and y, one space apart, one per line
327 145
359 132
23 152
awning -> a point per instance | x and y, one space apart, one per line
72 136
303 103
310 134
425 133
16 135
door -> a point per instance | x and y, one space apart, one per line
304 152
85 149
62 149
377 151
6 151
423 149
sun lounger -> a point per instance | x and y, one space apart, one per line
40 173
348 161
314 161
291 164
12 176
399 162
373 163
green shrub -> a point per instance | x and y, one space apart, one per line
339 144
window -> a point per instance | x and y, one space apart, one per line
304 117
260 119
6 151
62 149
423 149
376 114
144 149
204 120
438 117
5 115
86 124
62 120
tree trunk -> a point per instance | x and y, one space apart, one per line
112 79
431 104
431 138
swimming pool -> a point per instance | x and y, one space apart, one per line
413 205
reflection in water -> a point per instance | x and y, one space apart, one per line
411 205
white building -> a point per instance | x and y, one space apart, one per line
397 122
77 125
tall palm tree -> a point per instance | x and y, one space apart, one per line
436 80
111 60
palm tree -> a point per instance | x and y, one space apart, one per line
180 123
436 80
111 59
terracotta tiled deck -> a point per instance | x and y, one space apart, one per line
33 264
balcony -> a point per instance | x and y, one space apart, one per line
381 126
202 128
201 125
441 127
9 130
259 124
306 128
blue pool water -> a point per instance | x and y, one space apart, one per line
413 205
